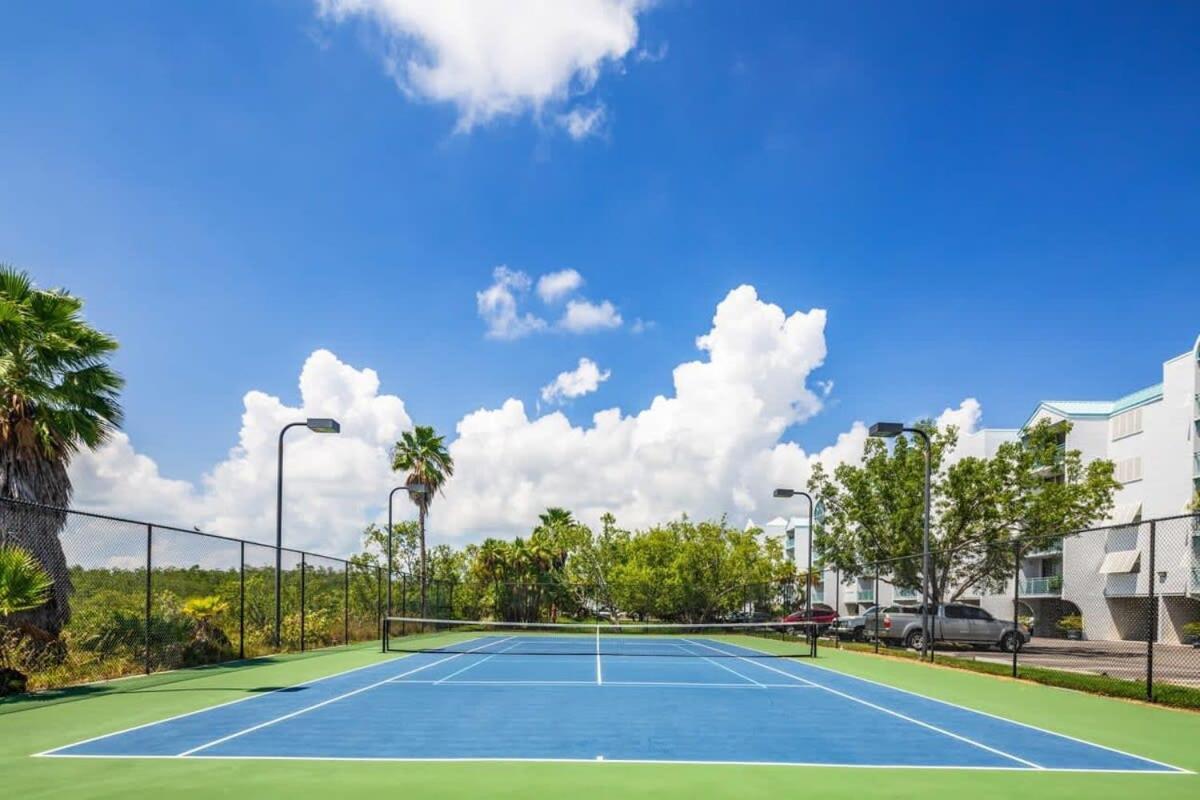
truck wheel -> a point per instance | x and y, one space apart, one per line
1010 642
859 635
915 640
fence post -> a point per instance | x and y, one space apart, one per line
149 548
1016 603
302 603
837 604
403 594
877 606
346 606
1152 633
242 609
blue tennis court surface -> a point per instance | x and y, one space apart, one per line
502 697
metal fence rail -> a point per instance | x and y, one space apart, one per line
133 597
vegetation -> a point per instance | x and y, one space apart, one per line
58 395
423 456
1071 622
1031 491
24 586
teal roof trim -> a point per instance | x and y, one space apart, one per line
1098 408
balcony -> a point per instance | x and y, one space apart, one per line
1196 409
818 595
1196 465
906 594
1046 550
1050 586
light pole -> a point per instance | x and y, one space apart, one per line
316 425
808 578
415 488
889 430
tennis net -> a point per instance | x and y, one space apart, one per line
707 640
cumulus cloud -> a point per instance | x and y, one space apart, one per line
584 379
333 484
554 286
492 59
709 446
581 122
584 316
497 306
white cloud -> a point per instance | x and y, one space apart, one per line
583 316
333 485
826 387
584 379
493 58
554 286
497 305
581 122
709 446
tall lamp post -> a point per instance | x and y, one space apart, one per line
316 425
412 489
808 578
889 430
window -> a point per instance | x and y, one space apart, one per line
977 613
1129 470
957 612
1127 424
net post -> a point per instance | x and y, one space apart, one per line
346 605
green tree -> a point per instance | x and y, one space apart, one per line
422 455
406 545
1032 490
59 395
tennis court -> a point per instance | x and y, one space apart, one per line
678 696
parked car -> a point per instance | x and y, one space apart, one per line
751 616
824 616
861 626
953 622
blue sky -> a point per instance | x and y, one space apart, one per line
990 200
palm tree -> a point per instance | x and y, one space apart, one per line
423 456
59 395
24 586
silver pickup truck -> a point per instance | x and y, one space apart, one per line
953 622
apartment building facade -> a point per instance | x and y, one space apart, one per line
1153 438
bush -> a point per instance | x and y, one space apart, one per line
1071 622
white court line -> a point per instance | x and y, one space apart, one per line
664 762
314 706
889 711
1000 718
722 666
480 661
54 751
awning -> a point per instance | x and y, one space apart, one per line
1125 514
1119 562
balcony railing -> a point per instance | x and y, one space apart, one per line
1051 586
818 595
1196 465
907 594
1196 409
866 595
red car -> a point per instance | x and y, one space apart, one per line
824 616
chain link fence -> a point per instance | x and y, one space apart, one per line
132 597
1114 609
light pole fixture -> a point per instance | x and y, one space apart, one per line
413 488
888 430
316 425
784 493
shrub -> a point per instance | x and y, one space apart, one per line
1071 622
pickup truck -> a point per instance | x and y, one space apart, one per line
953 622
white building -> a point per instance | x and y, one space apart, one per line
1153 438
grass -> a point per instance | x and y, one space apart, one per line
1164 693
36 723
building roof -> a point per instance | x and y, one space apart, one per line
1098 408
